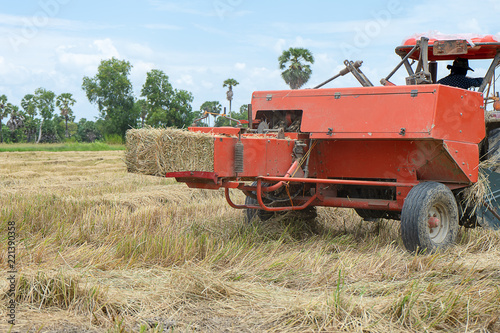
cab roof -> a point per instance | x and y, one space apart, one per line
481 47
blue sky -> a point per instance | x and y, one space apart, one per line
199 44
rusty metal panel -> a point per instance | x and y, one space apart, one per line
400 160
261 156
450 47
392 112
459 115
360 112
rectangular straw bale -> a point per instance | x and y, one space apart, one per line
155 151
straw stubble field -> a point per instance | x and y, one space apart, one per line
99 249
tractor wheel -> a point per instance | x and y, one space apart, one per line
252 213
494 146
429 219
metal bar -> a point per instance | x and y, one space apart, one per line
358 74
490 72
408 68
343 72
375 204
205 115
493 212
337 181
280 209
405 59
288 174
424 54
327 81
250 116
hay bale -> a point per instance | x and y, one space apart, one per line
156 151
477 195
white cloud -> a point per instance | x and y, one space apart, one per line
137 50
240 66
185 7
106 47
279 45
207 84
161 26
185 80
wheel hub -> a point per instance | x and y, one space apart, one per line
438 223
433 222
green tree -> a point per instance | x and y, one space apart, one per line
15 123
298 71
166 106
64 102
28 104
230 83
111 90
143 107
181 108
44 101
241 115
3 113
212 107
88 131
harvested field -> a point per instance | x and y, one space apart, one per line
103 250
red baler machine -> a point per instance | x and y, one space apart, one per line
400 152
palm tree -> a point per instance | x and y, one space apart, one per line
64 102
28 104
297 72
3 113
16 120
230 83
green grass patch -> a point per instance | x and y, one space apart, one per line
77 146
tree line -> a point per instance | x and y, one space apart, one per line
46 117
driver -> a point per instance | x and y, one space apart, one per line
458 78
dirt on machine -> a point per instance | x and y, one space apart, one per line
405 152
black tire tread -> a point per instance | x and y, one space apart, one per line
250 214
411 232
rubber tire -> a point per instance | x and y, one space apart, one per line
250 214
494 146
422 200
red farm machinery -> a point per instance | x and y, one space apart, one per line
403 152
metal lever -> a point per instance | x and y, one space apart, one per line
343 72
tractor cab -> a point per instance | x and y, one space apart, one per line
428 53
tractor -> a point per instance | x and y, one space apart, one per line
402 152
